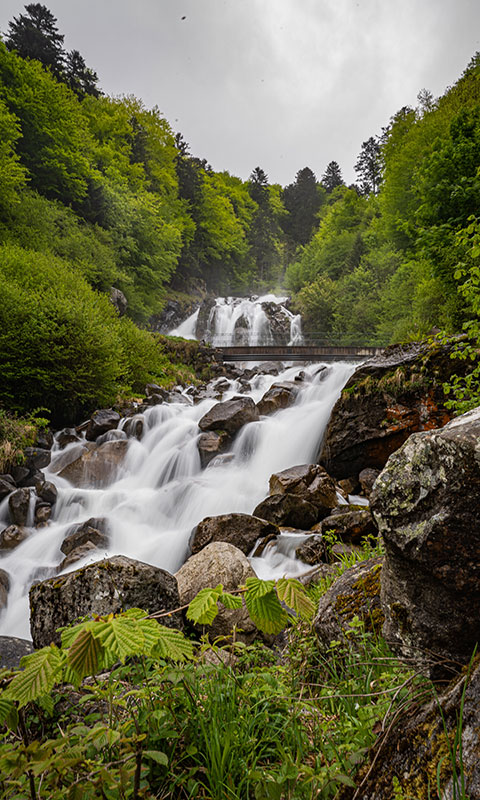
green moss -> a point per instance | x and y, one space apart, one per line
358 601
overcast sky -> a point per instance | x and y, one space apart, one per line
281 84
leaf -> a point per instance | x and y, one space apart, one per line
230 600
84 653
172 644
7 709
158 756
293 594
257 588
266 611
38 677
203 609
120 636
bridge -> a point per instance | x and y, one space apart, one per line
303 352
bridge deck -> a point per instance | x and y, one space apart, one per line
298 353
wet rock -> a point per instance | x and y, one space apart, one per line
76 554
33 477
108 586
425 503
19 504
356 593
349 486
36 458
12 536
94 530
269 368
12 651
154 388
4 589
385 400
100 422
67 436
111 436
44 439
241 530
177 397
6 486
201 328
211 444
19 473
313 550
279 321
349 526
280 395
287 509
134 427
309 481
367 478
62 460
43 512
119 300
229 416
47 491
218 562
96 468
413 755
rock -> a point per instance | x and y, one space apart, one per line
154 388
19 504
4 589
36 458
67 436
33 477
19 473
62 460
309 481
47 491
313 550
119 300
108 586
319 573
211 444
287 509
76 554
229 416
356 593
12 536
384 401
44 439
241 530
367 478
279 321
425 503
201 329
340 551
43 512
100 422
134 427
12 650
280 395
6 487
94 530
223 563
413 755
111 436
96 468
349 486
350 526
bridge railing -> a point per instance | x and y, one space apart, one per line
318 339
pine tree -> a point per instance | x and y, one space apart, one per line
35 35
332 177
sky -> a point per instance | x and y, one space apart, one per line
280 84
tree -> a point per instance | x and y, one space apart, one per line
35 35
81 79
302 200
258 186
369 166
332 177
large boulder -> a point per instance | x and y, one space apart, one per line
230 416
94 530
280 395
384 401
97 467
202 329
241 530
7 486
350 526
19 504
309 481
100 422
4 588
356 593
414 755
12 650
12 536
288 510
223 563
211 444
108 586
426 505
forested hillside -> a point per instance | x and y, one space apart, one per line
99 192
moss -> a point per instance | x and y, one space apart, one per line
358 601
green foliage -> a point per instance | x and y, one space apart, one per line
16 433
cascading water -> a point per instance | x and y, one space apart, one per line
161 492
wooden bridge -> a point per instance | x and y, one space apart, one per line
304 352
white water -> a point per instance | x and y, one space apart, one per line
162 492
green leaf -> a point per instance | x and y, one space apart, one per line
257 588
158 756
293 594
121 637
7 709
230 600
172 644
265 610
203 609
84 653
38 677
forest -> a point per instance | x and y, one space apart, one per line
99 192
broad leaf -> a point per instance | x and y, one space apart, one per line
172 644
158 756
266 611
230 600
203 609
257 588
41 670
84 653
293 594
121 637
